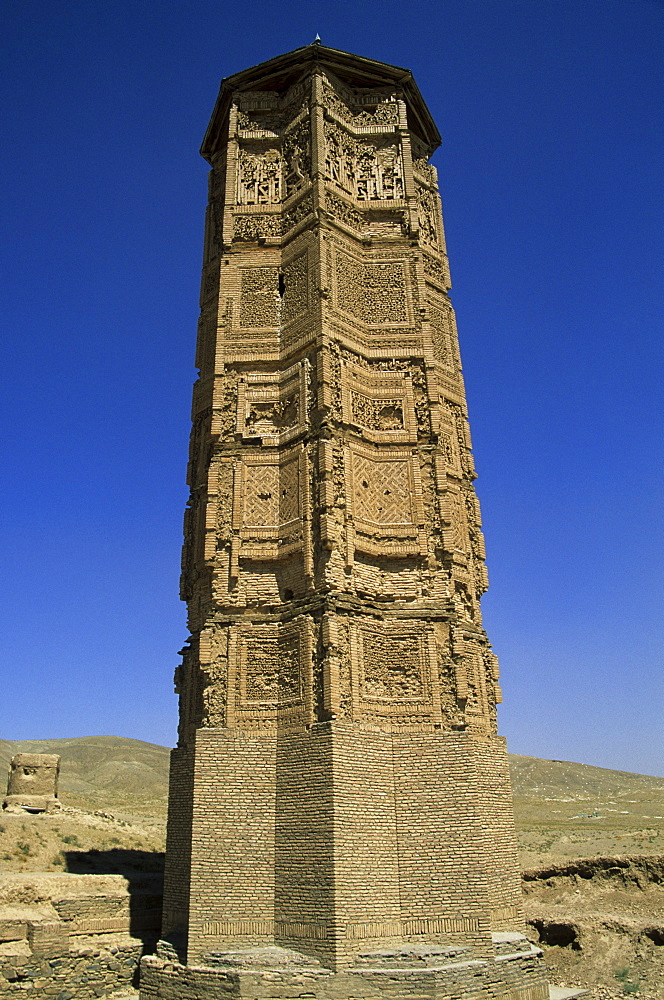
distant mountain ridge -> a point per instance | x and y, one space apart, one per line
535 774
111 769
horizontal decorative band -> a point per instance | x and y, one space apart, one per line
408 928
238 928
101 925
311 931
355 931
266 928
142 920
505 913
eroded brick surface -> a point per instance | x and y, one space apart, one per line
339 788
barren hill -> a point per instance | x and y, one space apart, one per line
104 772
563 810
567 810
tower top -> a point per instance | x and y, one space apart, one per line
353 71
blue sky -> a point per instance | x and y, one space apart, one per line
551 178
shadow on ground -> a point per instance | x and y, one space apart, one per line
143 871
117 861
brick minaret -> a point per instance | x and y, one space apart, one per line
339 787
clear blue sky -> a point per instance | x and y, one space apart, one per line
551 176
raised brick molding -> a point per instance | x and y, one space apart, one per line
339 785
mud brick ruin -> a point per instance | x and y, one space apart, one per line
340 818
74 937
32 783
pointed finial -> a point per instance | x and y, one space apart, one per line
317 38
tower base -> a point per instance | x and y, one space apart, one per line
407 972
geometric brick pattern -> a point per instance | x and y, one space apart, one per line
382 490
271 494
339 787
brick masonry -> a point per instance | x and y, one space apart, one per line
339 789
32 783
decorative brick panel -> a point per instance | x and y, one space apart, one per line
339 788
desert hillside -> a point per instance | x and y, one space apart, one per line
566 810
563 810
104 772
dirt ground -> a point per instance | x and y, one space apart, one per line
600 922
78 841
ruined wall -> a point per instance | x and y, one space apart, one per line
75 937
32 783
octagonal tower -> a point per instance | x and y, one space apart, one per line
339 792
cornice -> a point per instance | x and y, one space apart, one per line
356 71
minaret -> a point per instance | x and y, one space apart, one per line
339 790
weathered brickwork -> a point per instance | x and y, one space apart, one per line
340 796
87 970
521 979
32 783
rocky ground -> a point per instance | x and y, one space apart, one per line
600 922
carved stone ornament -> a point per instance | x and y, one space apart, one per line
379 403
259 177
367 170
297 158
426 214
252 228
394 674
384 506
371 291
273 407
270 675
379 108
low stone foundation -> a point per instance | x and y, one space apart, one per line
83 972
75 937
78 937
412 972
